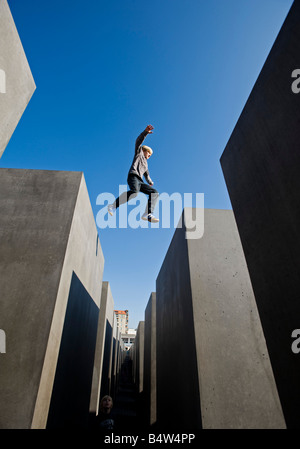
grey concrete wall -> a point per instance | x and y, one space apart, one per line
120 357
132 354
47 234
16 81
149 385
261 166
115 359
106 316
70 399
213 369
139 356
108 322
113 350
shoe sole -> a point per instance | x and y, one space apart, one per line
156 220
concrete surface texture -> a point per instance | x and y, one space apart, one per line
106 317
16 82
149 382
138 365
48 234
70 398
115 358
107 312
213 369
261 166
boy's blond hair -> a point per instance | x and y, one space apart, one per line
145 148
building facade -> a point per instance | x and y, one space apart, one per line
122 320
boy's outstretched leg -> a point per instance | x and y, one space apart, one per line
134 186
150 217
153 197
111 209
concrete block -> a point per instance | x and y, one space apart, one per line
50 250
103 348
139 357
114 359
213 369
132 355
261 166
107 315
16 81
70 399
149 386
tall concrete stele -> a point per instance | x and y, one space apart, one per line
261 166
211 352
16 82
51 269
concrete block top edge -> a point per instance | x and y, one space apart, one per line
185 226
4 4
41 170
204 208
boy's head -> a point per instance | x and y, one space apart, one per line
147 151
106 404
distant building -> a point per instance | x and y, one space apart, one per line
122 320
128 338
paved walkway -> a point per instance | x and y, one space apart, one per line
126 401
127 409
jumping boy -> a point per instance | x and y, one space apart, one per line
138 169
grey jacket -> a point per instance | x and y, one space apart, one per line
139 165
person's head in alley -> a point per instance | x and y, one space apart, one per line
106 404
105 418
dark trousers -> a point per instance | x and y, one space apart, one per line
136 185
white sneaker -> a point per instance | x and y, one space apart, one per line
111 209
150 218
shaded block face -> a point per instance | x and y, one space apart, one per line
213 369
16 81
114 360
101 377
107 323
70 399
47 233
261 166
139 365
149 384
176 362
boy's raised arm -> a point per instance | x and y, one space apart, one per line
149 129
140 139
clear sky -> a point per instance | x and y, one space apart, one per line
104 69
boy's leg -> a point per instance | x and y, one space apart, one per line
134 186
153 197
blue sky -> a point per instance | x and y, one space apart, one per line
104 69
